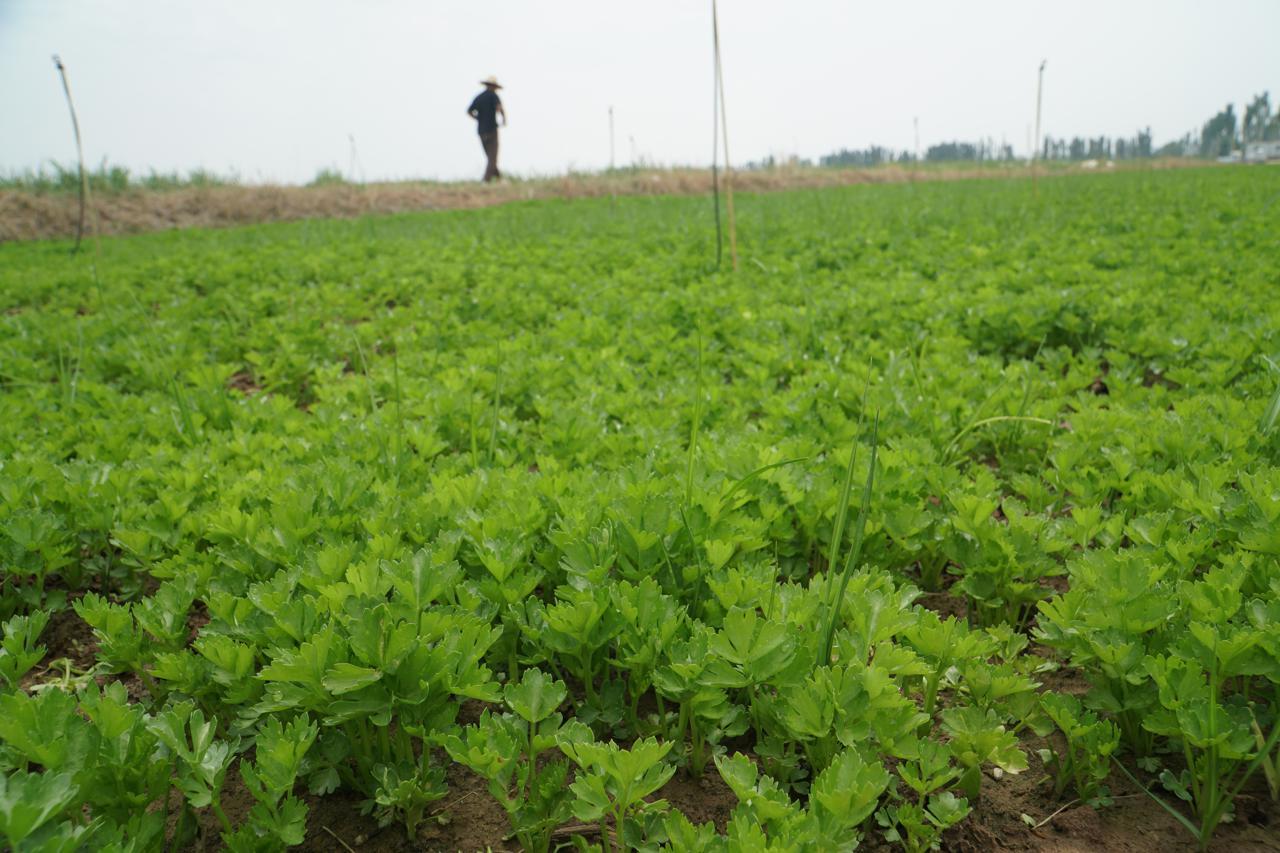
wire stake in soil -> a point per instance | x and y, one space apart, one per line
1062 808
724 133
1035 182
75 126
335 837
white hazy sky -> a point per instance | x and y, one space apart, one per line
277 89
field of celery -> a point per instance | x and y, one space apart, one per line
951 520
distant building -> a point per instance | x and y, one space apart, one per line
1261 152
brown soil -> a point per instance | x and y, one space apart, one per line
67 638
1151 377
469 820
1133 824
243 381
701 800
334 823
29 215
945 604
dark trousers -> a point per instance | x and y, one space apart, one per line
490 142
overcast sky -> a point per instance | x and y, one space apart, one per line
275 90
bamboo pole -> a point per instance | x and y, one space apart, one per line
1035 152
724 133
75 126
715 150
611 160
915 164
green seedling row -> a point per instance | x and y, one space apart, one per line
951 485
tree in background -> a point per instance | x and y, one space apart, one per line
1103 148
1135 148
1187 146
950 151
873 156
1218 137
1144 143
1100 148
1257 117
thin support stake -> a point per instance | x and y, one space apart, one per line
715 150
75 126
915 163
724 133
1036 142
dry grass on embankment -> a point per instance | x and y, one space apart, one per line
30 215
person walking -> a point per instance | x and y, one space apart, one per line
485 109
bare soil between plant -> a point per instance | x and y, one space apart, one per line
32 215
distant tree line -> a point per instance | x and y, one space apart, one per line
1223 134
873 156
1101 148
1217 137
980 151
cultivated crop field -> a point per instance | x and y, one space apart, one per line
952 519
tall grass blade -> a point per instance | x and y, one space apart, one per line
1272 414
1179 816
395 367
851 561
694 428
696 545
373 400
497 392
842 510
184 411
756 473
471 428
1021 419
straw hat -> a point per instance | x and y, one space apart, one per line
491 81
